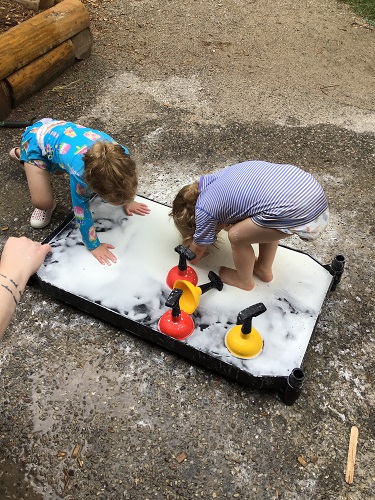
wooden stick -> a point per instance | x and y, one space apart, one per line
349 477
75 452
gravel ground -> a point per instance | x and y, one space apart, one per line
190 87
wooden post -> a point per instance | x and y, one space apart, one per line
34 37
29 79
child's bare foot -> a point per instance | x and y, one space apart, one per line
263 274
230 277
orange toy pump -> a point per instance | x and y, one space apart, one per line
176 323
242 340
182 271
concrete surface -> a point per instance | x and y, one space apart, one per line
190 87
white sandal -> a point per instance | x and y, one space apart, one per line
13 154
41 218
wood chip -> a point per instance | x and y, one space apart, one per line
181 457
75 452
352 451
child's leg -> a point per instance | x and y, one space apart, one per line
39 181
263 265
241 236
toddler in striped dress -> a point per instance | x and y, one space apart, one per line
256 202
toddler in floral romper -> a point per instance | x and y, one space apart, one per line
95 163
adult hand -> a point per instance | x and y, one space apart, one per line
103 254
136 208
21 258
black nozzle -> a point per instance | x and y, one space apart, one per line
293 386
336 269
296 378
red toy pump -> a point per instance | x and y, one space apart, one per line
176 323
182 271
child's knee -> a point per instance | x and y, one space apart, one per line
235 235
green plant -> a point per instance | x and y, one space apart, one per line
364 8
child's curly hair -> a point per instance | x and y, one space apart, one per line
183 211
110 172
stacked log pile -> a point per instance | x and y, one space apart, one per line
39 49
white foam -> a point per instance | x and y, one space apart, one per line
135 286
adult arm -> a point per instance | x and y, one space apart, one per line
20 259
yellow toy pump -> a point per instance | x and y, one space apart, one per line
191 294
242 340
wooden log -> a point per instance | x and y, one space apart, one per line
29 79
34 37
5 101
38 4
82 43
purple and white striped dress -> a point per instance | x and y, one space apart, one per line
273 195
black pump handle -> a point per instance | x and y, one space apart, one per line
245 317
173 301
215 282
185 254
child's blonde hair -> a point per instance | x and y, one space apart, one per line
183 211
110 172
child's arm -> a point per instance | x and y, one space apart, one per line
101 251
199 250
134 207
80 200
